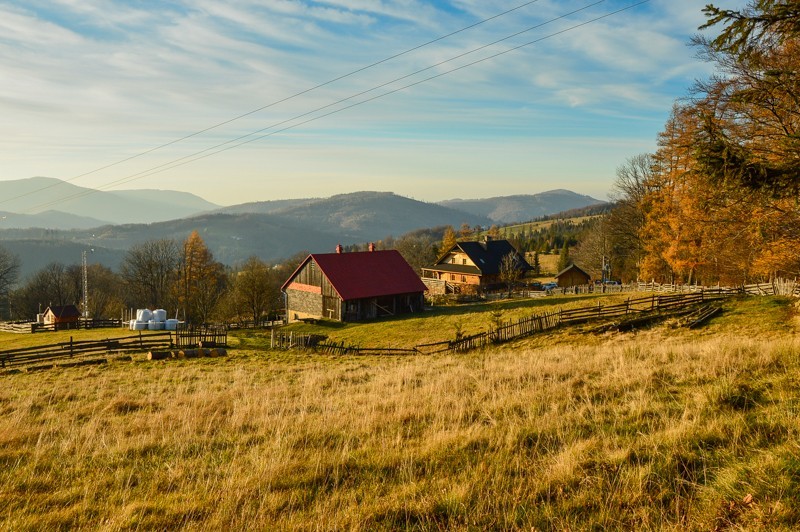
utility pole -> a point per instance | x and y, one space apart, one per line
85 283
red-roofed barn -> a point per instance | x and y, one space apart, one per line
353 286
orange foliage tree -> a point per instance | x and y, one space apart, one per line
200 280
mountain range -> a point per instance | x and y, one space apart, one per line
271 230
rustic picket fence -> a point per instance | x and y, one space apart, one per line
28 327
537 323
291 340
189 336
82 349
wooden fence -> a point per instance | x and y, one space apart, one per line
282 340
28 327
188 336
73 349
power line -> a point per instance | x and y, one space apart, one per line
199 155
245 139
275 103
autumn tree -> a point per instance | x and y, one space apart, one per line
466 232
200 280
448 239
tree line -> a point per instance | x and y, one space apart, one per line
719 200
182 277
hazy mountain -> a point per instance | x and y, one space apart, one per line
48 219
317 227
522 208
40 194
378 213
375 215
265 207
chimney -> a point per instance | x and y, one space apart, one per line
338 248
372 246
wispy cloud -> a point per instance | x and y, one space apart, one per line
87 82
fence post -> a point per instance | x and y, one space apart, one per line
70 347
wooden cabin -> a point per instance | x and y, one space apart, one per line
353 286
474 266
62 316
572 276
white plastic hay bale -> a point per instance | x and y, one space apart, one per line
144 315
132 325
160 315
171 325
154 325
139 325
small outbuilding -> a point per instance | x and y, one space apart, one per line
572 276
63 316
353 286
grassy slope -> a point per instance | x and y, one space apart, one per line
659 430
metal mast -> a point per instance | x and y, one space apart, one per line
85 285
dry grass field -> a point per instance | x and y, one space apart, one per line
663 429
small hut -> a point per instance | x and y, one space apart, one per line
63 316
572 276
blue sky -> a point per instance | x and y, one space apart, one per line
90 83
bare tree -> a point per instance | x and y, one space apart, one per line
9 272
254 289
148 271
510 270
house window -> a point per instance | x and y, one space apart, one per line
463 278
452 260
463 261
452 277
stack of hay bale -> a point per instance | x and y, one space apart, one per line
155 320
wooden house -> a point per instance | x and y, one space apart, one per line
572 276
62 316
353 286
474 266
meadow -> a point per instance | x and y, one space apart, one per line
662 429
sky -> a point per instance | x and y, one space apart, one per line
248 100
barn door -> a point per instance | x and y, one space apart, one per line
330 307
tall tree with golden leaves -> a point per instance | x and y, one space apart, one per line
200 280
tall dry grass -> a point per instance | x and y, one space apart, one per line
649 432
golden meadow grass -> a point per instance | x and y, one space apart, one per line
660 430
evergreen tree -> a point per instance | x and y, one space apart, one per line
564 258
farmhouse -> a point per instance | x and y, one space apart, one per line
572 276
61 316
353 286
474 266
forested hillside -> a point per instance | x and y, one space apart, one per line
719 201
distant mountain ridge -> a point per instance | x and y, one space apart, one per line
36 195
525 207
271 230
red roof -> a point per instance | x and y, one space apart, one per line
365 274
